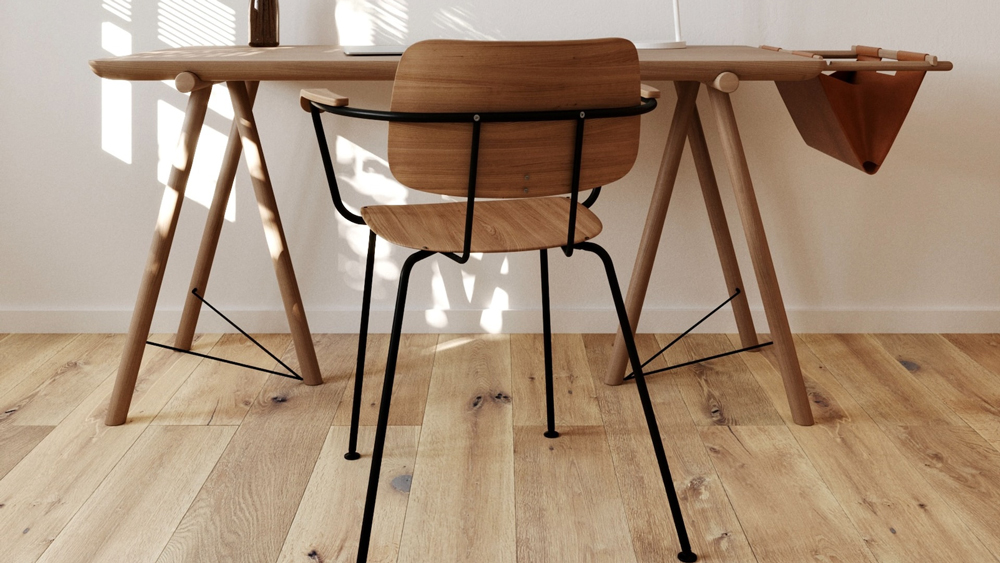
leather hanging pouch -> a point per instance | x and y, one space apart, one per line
854 116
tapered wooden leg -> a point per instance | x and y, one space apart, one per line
213 228
156 263
720 230
774 307
687 93
275 234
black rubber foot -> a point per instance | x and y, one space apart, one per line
551 434
687 556
351 456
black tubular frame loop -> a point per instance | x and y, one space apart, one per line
646 105
575 185
592 198
331 177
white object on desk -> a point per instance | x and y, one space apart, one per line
677 43
362 50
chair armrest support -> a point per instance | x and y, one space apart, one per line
648 92
322 96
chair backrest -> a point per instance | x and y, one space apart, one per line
522 159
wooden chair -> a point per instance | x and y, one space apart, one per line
520 122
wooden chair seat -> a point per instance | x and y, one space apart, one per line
509 225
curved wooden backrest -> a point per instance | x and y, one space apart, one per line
515 159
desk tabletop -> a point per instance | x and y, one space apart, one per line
328 62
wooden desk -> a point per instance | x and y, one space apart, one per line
244 67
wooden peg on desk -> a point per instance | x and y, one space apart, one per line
726 82
189 82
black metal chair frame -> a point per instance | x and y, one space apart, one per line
476 120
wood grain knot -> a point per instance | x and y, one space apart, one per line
279 399
910 366
819 399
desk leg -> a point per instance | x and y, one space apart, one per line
213 228
275 235
720 230
687 94
739 173
156 263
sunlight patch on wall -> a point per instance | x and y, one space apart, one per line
491 320
219 101
205 170
469 284
436 316
367 173
120 8
364 172
116 98
187 23
184 23
371 22
457 22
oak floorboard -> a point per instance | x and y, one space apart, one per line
887 392
20 354
720 392
263 472
574 398
130 517
409 391
963 468
715 532
52 390
219 393
857 486
769 480
328 522
43 492
899 515
461 505
16 442
829 401
983 348
566 487
968 388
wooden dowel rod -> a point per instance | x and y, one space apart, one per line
726 82
883 53
189 82
909 56
835 54
887 65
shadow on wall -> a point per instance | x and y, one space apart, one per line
364 176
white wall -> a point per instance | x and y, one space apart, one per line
914 248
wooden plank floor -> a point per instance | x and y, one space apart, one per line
222 464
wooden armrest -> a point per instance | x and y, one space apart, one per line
322 96
647 91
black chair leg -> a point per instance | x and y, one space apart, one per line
359 372
550 410
685 555
383 411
